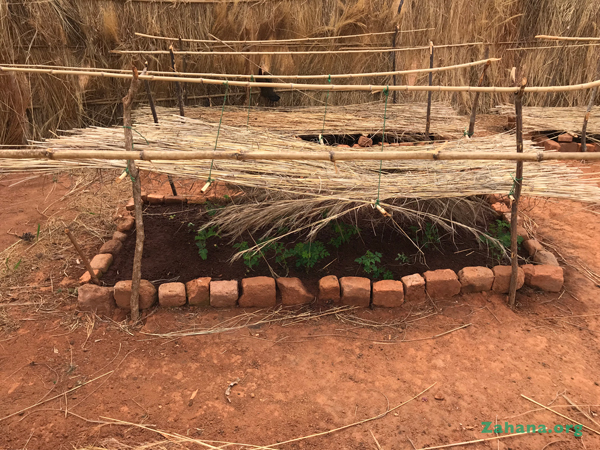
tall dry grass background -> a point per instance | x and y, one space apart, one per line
82 33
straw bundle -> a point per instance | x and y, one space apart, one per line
351 119
306 195
559 119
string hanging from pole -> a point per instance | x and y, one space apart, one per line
386 92
325 114
212 162
249 102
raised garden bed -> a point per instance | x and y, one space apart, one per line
171 252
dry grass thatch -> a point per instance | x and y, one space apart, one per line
559 119
63 32
304 196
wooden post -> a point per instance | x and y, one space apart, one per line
476 98
518 183
428 123
177 83
149 94
86 261
155 117
394 57
588 112
137 200
184 68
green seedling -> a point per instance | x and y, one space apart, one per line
202 237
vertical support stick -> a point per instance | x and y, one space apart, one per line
428 123
149 94
588 112
155 117
518 183
86 261
177 83
476 98
394 57
184 69
137 200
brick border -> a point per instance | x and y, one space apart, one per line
263 291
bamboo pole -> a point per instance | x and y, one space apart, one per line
177 83
428 120
283 77
560 47
565 38
312 87
333 156
281 41
137 200
588 112
476 98
300 52
518 183
394 57
86 261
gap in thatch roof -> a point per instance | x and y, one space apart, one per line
391 137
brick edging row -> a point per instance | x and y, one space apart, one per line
357 291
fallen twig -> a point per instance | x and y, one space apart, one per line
55 397
561 415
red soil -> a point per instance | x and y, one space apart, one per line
318 375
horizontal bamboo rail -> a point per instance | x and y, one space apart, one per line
301 52
282 77
565 38
545 47
176 155
309 87
278 41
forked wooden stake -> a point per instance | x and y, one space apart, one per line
428 123
86 261
137 200
518 183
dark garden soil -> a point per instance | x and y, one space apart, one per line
171 253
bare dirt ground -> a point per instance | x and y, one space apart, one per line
456 363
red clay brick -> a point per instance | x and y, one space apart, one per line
547 278
570 147
223 294
259 292
388 293
293 291
148 294
356 291
101 262
198 291
414 288
442 283
502 279
96 299
125 224
565 137
329 289
475 279
171 294
114 246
